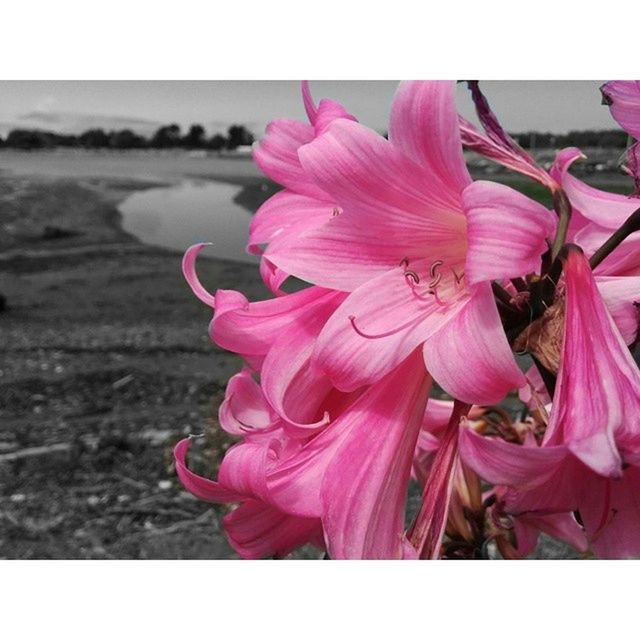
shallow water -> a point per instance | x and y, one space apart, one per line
178 216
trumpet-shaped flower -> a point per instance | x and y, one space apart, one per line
416 243
588 458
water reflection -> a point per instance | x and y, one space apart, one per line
178 216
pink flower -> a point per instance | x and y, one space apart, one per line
416 243
587 460
351 477
403 252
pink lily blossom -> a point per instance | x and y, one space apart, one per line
587 460
404 253
417 243
287 486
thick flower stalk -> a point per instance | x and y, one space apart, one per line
416 277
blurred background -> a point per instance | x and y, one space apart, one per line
105 360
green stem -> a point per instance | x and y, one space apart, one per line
631 224
562 207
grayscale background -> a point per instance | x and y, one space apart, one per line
105 360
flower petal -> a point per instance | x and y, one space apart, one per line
328 111
257 530
345 253
498 145
506 463
245 466
253 327
309 104
350 350
470 357
364 488
623 261
428 528
473 140
367 174
190 275
595 357
424 126
277 156
272 277
622 297
606 209
285 214
623 98
610 510
562 526
244 409
201 487
391 210
507 232
292 386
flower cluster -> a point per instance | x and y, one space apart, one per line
410 278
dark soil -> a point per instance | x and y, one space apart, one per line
105 363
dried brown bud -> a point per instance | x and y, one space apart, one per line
543 337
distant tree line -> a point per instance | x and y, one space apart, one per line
605 138
166 137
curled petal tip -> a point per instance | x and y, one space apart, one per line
309 104
190 275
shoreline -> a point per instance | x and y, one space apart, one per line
98 191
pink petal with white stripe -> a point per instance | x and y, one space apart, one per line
380 324
424 126
258 530
507 232
364 488
594 425
606 209
470 357
277 156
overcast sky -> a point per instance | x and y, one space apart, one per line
73 106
